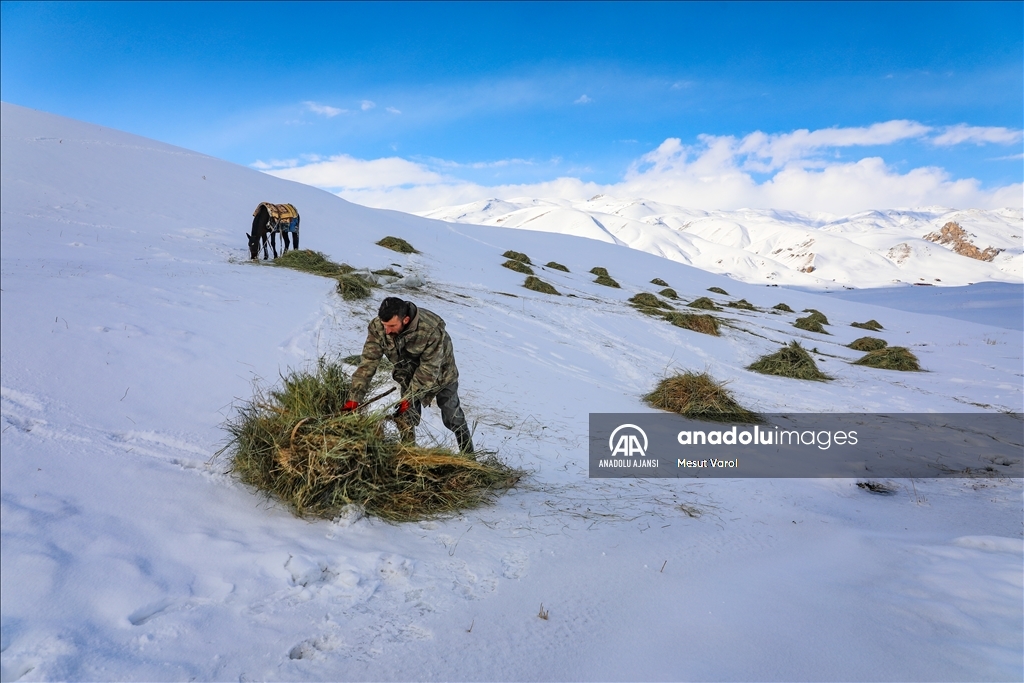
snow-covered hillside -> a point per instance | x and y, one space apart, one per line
131 321
870 249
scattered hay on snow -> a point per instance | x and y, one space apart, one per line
397 244
742 304
538 285
872 325
294 444
867 344
789 361
782 307
313 262
658 281
891 358
704 303
518 266
700 396
554 265
517 256
695 322
352 287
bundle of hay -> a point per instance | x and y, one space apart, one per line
872 325
705 324
554 265
603 278
868 344
397 244
658 281
669 293
815 314
891 358
350 285
538 285
294 444
647 300
782 307
812 323
789 361
518 266
718 290
742 304
704 303
700 396
517 256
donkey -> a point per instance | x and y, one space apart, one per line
268 220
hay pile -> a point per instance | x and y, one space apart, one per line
293 444
704 303
669 293
603 278
700 396
867 344
658 281
817 315
518 266
538 285
647 300
813 322
782 307
718 290
789 361
872 325
349 286
554 265
397 244
705 324
891 358
742 304
517 256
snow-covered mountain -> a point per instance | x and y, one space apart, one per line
131 320
870 249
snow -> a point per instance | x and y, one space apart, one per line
869 249
132 320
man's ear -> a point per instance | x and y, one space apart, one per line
405 320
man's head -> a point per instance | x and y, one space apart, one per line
394 313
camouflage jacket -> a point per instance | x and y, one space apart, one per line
422 353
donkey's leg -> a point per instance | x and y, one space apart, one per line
285 242
265 254
273 242
295 240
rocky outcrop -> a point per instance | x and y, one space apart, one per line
956 237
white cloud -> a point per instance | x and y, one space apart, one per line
323 109
716 173
979 135
583 99
346 172
367 105
392 110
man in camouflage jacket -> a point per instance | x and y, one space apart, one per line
414 339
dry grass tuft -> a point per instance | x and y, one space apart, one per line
397 244
782 307
704 303
658 281
705 324
700 396
872 325
868 344
811 324
351 287
294 445
669 293
718 290
517 256
742 304
891 358
518 266
554 265
538 285
790 361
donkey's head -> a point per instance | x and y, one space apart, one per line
259 231
254 246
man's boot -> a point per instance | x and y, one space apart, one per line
465 439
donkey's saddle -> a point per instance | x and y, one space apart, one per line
281 215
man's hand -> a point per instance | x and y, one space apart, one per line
402 409
349 407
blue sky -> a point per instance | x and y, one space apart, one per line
419 105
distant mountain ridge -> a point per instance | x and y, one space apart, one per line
867 249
